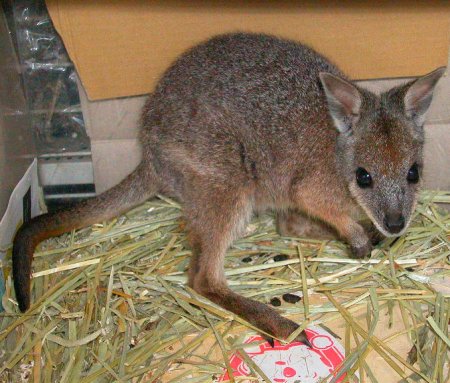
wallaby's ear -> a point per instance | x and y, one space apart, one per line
419 95
344 101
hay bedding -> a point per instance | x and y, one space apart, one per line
110 304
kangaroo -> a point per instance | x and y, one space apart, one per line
248 122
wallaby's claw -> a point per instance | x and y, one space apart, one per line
304 339
270 340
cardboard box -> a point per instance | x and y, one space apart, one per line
120 48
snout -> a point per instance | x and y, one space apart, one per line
394 222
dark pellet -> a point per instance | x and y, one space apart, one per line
291 298
280 257
275 302
247 259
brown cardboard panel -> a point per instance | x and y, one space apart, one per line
120 48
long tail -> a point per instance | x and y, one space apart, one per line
133 190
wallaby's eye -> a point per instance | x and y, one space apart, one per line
413 174
363 178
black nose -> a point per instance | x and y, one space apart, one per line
394 223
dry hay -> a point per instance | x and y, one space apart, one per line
110 303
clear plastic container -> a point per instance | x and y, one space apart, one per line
49 80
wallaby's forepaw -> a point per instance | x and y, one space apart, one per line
373 233
375 236
362 251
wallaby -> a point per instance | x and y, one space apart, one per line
248 122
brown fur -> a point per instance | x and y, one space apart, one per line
245 123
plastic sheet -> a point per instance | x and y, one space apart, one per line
49 79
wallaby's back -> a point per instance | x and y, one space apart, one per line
238 98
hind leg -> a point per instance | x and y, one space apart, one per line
215 219
292 223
